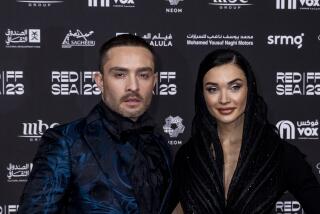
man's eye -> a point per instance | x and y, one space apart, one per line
144 75
119 75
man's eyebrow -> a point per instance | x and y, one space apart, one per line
147 68
116 68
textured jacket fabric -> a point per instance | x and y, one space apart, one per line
252 192
79 168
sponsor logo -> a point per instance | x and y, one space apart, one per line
318 167
220 40
73 83
109 3
286 129
166 84
157 40
100 3
28 38
174 2
8 209
288 207
297 4
174 6
78 39
303 130
18 172
286 40
295 83
121 33
39 3
34 130
173 127
230 4
10 83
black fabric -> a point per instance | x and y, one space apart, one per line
300 180
258 179
148 173
294 175
121 126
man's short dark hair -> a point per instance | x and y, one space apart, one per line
122 40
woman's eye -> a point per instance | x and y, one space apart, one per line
212 90
235 87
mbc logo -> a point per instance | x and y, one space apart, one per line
35 130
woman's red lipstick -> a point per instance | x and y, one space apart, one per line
226 111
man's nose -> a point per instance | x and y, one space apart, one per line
132 83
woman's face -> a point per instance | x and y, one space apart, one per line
225 92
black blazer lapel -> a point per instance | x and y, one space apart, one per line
106 153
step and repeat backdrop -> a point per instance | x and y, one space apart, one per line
49 52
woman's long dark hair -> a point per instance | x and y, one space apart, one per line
257 165
255 104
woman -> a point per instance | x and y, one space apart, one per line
235 162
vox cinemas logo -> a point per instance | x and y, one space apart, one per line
111 3
318 167
34 130
174 6
303 130
297 4
230 4
11 83
73 83
27 38
288 207
39 3
166 84
286 40
18 172
295 83
8 209
174 127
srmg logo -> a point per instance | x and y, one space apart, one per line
286 40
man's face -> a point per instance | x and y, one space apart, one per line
128 80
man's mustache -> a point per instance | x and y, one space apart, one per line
131 95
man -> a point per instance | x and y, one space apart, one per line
112 161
